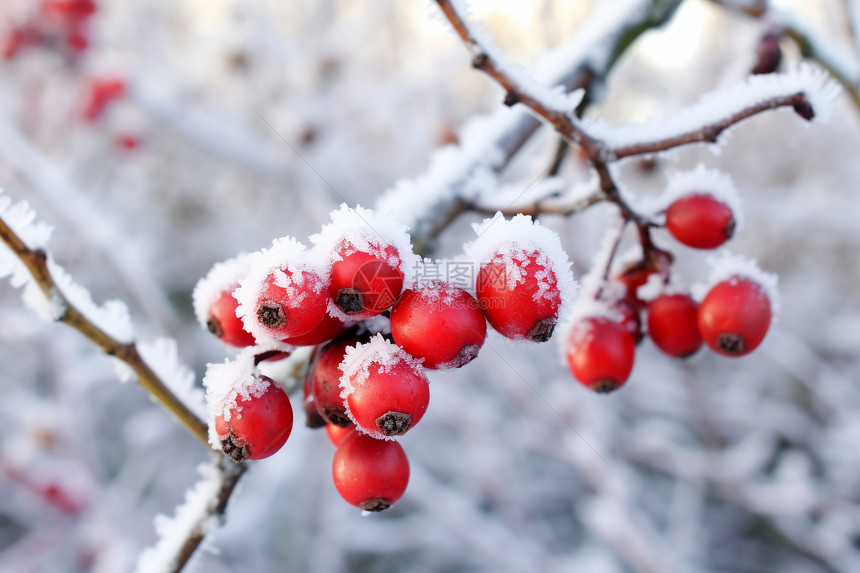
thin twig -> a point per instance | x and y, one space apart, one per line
36 261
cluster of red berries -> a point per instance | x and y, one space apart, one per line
62 23
731 319
366 380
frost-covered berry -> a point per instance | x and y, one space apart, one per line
701 221
520 297
282 296
523 279
370 474
328 328
325 381
734 316
440 324
256 427
214 303
336 434
224 323
672 324
365 284
368 261
600 353
385 389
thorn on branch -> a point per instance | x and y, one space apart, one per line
511 99
802 107
480 60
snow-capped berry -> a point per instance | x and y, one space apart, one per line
439 323
329 328
364 284
672 324
256 426
385 389
600 353
215 306
524 276
734 316
290 304
701 221
325 381
368 261
520 297
336 434
370 474
224 323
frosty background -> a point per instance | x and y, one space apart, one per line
245 120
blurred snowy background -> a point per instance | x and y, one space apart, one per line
242 121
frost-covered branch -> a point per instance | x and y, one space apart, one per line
205 503
60 308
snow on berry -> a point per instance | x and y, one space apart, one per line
384 389
702 180
282 296
214 304
368 261
600 353
227 383
524 281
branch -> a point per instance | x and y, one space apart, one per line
202 511
36 262
711 133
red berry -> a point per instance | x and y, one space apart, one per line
441 324
327 329
734 316
223 322
672 324
257 427
385 389
368 473
600 353
519 295
336 434
365 284
313 418
700 221
290 304
325 382
18 39
102 91
127 142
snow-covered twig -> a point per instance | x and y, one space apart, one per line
201 513
38 263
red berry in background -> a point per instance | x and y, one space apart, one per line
257 427
336 434
224 324
127 142
700 221
600 353
385 389
290 304
441 324
313 418
673 326
365 284
519 295
72 10
16 40
327 329
734 316
100 93
325 382
370 474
